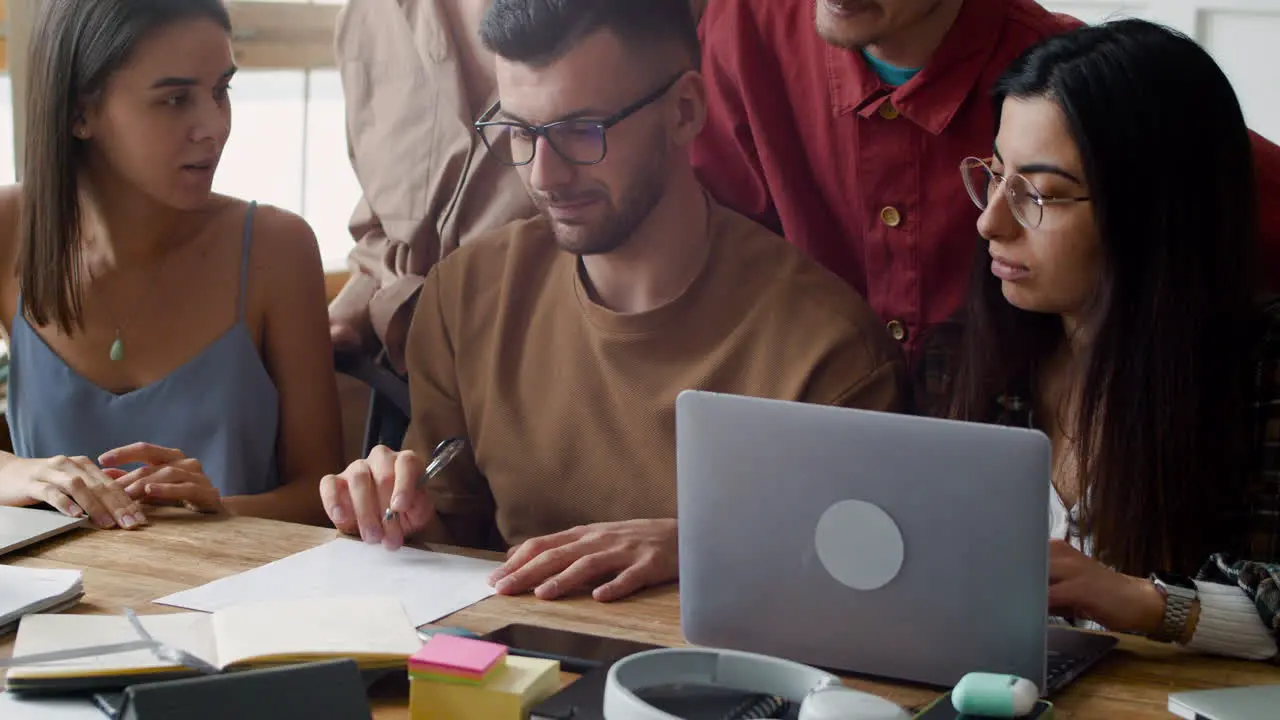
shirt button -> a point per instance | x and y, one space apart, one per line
888 111
897 330
891 217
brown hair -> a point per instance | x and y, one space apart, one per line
76 46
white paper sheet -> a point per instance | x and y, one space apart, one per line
429 585
13 707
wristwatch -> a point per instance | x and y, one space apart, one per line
1180 597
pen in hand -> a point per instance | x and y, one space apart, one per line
444 453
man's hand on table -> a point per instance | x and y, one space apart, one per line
614 559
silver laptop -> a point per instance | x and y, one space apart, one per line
1261 702
21 526
890 545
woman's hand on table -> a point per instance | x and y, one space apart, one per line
167 477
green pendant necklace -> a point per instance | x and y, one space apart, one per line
116 351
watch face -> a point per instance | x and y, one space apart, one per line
1173 580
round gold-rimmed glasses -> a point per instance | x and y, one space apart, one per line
1025 201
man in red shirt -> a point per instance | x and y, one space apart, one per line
841 124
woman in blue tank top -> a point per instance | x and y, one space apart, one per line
168 345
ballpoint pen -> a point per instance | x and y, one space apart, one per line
444 453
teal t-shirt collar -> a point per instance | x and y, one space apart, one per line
890 74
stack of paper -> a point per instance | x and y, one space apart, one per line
429 585
24 591
447 658
517 685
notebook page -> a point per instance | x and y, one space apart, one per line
430 585
51 633
365 628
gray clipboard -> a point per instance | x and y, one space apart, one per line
332 689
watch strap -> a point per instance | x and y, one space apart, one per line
1178 604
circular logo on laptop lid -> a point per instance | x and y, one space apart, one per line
859 544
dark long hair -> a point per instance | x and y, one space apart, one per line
1161 442
76 46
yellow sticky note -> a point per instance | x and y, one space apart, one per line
521 684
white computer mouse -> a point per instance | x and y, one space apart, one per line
842 703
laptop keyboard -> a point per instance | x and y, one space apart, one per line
1063 668
1058 667
1070 653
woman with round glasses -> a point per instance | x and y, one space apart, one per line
1113 309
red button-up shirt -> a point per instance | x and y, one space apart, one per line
806 139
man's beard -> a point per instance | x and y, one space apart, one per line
620 222
852 37
837 34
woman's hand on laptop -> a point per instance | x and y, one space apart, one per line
616 559
75 486
356 499
1082 587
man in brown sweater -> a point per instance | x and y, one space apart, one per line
557 345
414 77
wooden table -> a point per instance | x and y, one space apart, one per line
180 550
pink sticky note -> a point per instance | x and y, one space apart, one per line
459 654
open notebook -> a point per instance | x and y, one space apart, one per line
374 631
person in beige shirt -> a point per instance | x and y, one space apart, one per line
557 345
415 76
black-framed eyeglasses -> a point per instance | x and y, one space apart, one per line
580 141
1025 200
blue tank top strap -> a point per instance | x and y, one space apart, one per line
246 242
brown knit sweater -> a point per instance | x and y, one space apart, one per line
570 408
